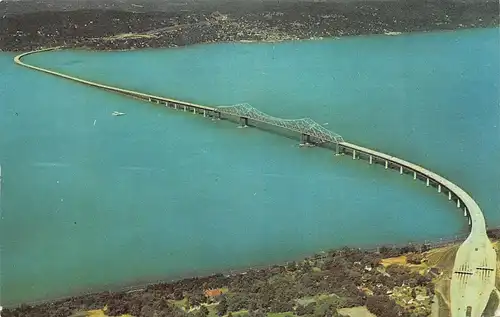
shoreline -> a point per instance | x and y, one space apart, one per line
269 22
132 287
254 42
166 289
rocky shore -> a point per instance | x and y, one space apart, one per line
99 29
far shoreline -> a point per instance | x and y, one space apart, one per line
260 42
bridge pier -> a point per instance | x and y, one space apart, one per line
458 203
175 106
243 122
401 170
449 195
371 159
465 211
337 149
353 154
427 182
185 108
439 188
204 113
304 139
414 175
386 164
194 110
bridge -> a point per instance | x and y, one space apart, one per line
474 271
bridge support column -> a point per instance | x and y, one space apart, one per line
386 165
150 99
158 101
458 203
469 222
371 159
414 175
353 154
439 188
449 195
465 211
185 109
401 170
427 182
204 113
243 121
304 139
175 106
337 149
194 110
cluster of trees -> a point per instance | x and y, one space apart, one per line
383 306
342 275
494 233
415 258
392 252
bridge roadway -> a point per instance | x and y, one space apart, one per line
473 277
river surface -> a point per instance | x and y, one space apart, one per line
91 201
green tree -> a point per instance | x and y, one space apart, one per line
305 310
204 311
325 309
222 307
147 311
413 293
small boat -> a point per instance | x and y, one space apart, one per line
116 113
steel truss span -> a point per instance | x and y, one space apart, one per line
304 125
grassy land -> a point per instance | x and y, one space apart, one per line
280 315
401 260
96 313
361 311
497 247
181 303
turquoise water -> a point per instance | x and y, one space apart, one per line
160 194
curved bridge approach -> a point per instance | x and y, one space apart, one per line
473 277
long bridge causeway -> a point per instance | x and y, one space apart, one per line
474 271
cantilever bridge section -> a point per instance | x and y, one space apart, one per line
308 128
474 271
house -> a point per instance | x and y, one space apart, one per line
211 293
434 271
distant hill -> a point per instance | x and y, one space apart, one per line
9 7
